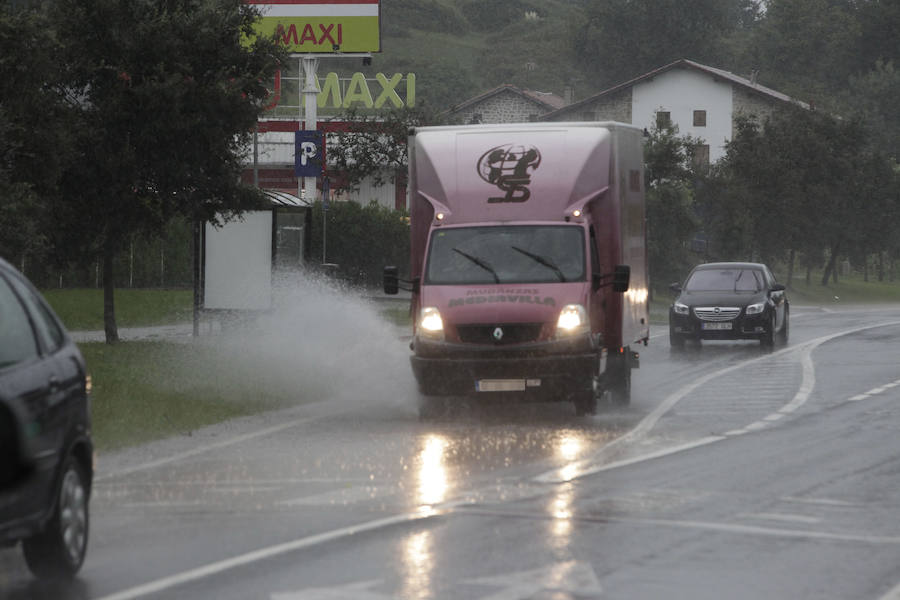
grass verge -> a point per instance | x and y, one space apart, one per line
82 309
150 390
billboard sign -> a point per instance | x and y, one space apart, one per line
321 26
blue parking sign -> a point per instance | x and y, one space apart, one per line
309 153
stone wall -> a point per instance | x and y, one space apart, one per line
612 107
746 103
505 107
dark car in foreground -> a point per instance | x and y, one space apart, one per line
729 301
46 465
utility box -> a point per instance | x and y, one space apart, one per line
241 260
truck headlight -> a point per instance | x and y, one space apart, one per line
430 322
572 319
755 309
680 309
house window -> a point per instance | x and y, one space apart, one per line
699 118
476 118
663 119
701 158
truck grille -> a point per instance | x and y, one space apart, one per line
717 313
513 333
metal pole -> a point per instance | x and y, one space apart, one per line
310 96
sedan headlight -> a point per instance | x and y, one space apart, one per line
572 319
430 322
680 309
755 309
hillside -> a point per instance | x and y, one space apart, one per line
459 48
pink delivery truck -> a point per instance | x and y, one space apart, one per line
528 266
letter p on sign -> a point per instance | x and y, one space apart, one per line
309 150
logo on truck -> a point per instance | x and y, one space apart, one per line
509 167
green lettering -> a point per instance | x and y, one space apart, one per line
410 89
358 91
388 90
332 89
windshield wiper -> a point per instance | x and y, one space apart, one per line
480 262
542 261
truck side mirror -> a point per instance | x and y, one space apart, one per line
391 280
621 278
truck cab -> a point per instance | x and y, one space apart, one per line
527 268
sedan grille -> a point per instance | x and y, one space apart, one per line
512 333
717 313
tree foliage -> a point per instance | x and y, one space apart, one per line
671 217
160 99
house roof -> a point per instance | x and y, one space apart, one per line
684 63
547 100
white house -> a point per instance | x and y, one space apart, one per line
702 101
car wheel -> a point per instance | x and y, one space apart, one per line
768 338
58 551
785 328
620 386
676 340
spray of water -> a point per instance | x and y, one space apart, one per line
322 341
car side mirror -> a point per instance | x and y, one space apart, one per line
621 278
675 287
391 280
778 287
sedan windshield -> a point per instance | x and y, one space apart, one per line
508 254
724 280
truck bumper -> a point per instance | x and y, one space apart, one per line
540 372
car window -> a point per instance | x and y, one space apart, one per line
17 342
725 280
46 324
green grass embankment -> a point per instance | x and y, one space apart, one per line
82 309
144 391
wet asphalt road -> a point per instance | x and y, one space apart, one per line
734 473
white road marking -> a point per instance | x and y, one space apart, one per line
340 496
858 397
893 594
203 449
781 517
247 558
821 501
352 591
573 577
589 466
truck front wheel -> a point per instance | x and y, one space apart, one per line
431 407
618 377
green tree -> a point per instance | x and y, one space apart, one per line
374 146
165 94
34 141
671 220
617 40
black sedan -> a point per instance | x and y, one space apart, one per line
46 452
729 301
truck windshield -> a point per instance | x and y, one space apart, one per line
506 254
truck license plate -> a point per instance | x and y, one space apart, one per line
500 385
717 326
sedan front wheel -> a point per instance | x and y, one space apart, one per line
58 551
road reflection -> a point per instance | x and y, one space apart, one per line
432 474
418 565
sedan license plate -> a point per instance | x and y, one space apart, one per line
716 326
500 385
